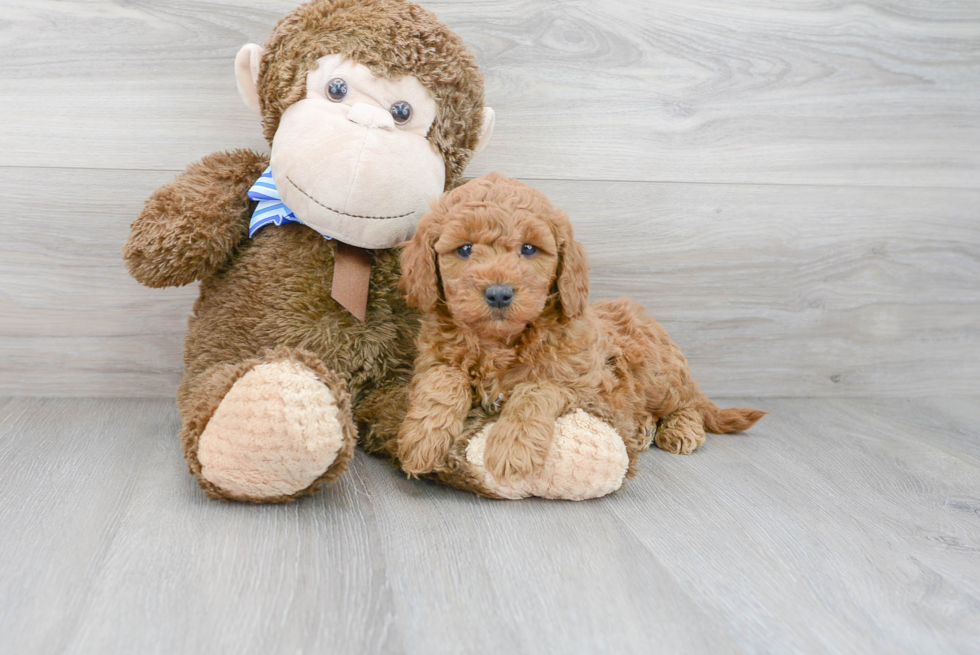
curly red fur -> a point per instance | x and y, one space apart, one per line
544 354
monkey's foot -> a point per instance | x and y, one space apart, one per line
278 433
587 460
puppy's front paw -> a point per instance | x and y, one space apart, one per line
420 457
513 453
420 453
414 462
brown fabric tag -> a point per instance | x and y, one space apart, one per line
351 277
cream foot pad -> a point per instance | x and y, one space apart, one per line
274 433
587 460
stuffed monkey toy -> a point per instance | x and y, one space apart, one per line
300 344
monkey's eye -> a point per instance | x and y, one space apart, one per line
464 251
336 89
401 111
528 250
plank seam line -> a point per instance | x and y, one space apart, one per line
562 179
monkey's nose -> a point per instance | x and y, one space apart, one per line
498 296
370 116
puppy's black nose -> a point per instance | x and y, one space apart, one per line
499 295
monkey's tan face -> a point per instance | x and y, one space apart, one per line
352 159
497 268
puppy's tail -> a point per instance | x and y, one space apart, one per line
733 419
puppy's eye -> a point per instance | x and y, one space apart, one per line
336 89
401 111
464 251
527 250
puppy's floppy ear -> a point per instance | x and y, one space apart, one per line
420 274
573 271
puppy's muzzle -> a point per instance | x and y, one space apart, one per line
498 296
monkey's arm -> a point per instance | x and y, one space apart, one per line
189 227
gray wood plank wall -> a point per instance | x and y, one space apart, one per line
793 189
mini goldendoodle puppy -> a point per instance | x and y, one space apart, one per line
505 289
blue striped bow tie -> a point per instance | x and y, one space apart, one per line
271 208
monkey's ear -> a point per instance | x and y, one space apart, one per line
247 63
486 130
420 273
573 274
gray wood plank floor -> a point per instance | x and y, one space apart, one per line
834 526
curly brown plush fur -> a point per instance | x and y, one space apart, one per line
263 294
546 352
268 299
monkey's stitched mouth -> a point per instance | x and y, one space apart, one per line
337 211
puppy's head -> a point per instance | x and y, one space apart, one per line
495 255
